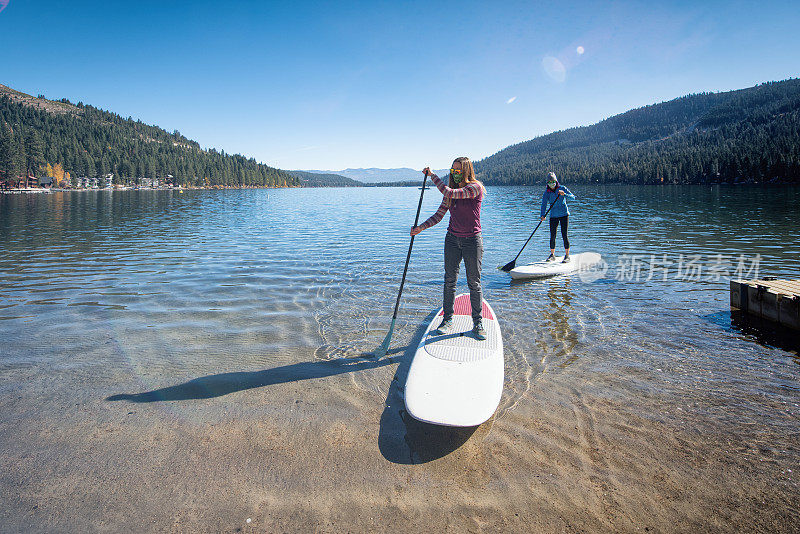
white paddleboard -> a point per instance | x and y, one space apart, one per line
545 269
455 379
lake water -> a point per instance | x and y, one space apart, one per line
203 307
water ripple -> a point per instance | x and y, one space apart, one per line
189 285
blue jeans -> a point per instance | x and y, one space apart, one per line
470 249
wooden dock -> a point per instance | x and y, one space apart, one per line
774 300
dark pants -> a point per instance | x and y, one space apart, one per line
470 249
554 225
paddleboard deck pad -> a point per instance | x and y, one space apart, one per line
546 269
456 379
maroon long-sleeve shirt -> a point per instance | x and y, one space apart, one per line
465 208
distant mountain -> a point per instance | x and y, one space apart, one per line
373 175
46 137
746 136
312 179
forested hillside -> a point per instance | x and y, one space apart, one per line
44 137
313 179
749 135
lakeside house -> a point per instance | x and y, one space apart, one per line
29 182
148 183
84 182
32 183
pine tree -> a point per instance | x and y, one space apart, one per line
11 158
34 153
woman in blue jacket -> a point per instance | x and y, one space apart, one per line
557 195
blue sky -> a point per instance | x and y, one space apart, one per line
330 85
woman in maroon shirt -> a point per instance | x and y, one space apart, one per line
462 197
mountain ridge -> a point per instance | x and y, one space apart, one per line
745 135
372 175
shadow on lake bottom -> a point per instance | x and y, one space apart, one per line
401 438
207 387
758 330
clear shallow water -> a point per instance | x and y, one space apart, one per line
625 401
193 283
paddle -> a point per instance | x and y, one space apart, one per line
380 352
510 265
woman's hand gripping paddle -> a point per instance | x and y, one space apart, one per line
513 263
380 352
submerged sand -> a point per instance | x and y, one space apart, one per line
298 448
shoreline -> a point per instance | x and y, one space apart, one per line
114 189
740 185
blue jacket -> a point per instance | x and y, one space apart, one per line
560 208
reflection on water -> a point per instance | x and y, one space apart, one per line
557 314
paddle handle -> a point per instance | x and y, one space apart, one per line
410 246
537 227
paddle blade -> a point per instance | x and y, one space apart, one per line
508 266
380 352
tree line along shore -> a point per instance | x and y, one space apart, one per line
72 141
